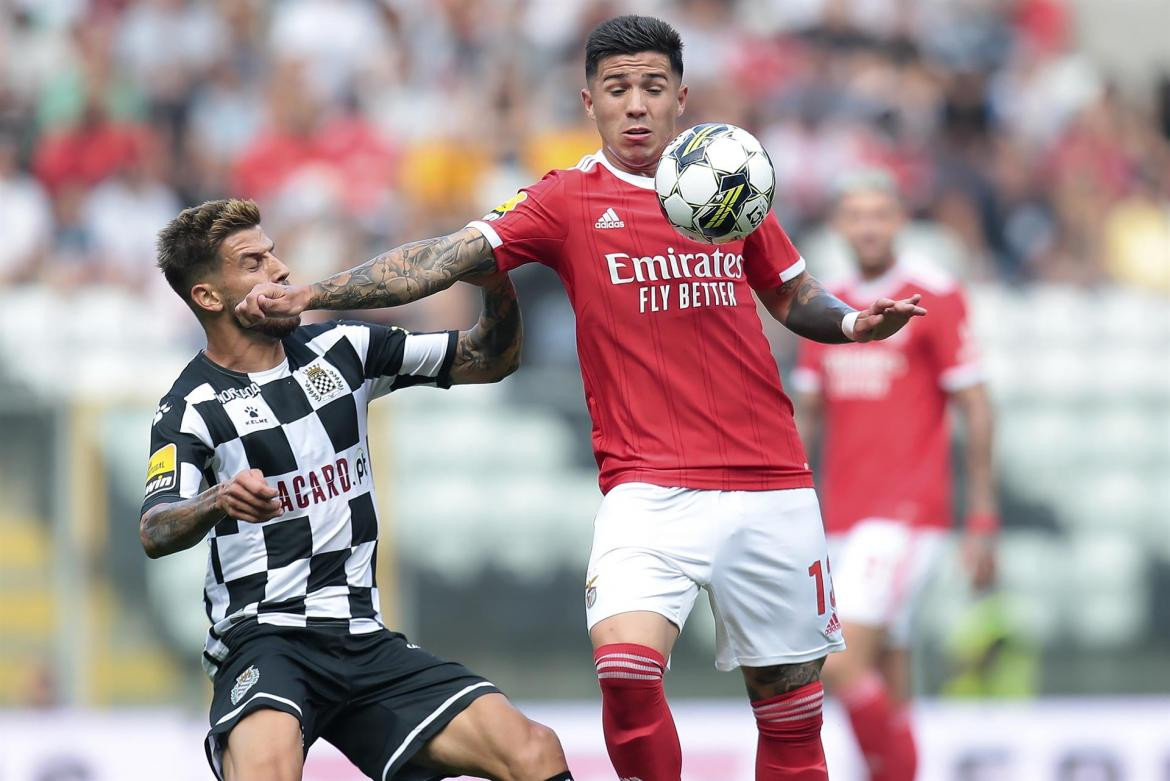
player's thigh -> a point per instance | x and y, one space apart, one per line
861 657
894 665
267 697
266 745
766 682
492 739
771 590
651 548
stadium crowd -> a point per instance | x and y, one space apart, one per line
360 124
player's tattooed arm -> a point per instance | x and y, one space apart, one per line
490 351
169 528
396 277
175 526
804 306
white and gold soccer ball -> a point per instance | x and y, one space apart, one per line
715 183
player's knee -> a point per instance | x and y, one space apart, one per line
273 756
765 682
538 756
844 668
266 763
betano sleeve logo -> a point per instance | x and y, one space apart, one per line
506 206
160 473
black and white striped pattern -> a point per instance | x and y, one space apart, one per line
303 424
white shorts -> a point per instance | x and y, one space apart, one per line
880 569
761 555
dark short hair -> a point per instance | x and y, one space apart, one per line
632 34
188 247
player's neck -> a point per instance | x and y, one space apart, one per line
871 273
243 351
620 165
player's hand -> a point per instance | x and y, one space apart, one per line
248 497
885 317
979 559
268 299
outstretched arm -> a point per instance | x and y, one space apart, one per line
396 277
804 307
490 351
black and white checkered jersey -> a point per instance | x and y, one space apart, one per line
303 425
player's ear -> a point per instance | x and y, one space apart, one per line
587 99
207 298
682 99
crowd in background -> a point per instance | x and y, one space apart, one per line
361 124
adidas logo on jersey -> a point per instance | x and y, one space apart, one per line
608 219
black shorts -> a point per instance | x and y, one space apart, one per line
376 697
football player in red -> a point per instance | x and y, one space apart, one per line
705 479
887 518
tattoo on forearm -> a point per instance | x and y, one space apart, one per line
814 313
169 528
406 273
491 349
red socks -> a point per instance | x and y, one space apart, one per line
882 729
789 747
639 730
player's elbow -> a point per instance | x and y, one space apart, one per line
505 365
146 536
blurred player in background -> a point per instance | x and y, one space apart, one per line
272 418
706 482
887 517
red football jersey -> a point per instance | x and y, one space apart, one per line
886 437
679 378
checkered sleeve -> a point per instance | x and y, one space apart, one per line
396 358
179 456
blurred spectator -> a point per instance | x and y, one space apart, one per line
26 220
361 124
124 214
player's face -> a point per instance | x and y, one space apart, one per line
248 260
636 100
870 222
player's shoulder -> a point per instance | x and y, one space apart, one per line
194 384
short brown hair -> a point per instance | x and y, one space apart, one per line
188 247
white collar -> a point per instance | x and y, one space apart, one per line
645 182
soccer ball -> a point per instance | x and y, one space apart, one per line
715 183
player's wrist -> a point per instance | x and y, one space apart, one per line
848 324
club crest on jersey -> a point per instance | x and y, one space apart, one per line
506 206
590 592
322 383
161 470
246 680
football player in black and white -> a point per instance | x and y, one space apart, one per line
261 448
